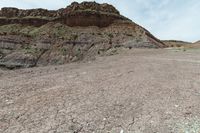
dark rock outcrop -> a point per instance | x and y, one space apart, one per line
10 12
24 21
83 14
91 6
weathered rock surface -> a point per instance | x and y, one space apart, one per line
93 6
15 12
18 59
84 14
37 37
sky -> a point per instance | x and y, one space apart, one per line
166 19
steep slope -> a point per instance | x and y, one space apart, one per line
79 31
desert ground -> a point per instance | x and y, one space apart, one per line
136 91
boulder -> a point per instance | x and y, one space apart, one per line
18 60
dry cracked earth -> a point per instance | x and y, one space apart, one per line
136 91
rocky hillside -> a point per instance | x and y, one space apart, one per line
175 43
195 45
80 31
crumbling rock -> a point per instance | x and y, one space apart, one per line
92 6
9 12
83 14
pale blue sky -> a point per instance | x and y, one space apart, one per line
166 19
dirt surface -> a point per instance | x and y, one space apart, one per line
137 91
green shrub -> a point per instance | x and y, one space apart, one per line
63 51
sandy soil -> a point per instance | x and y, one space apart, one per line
137 91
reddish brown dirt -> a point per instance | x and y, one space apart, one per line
137 91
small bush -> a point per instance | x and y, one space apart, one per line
63 51
30 50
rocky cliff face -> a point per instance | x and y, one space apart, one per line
84 14
64 12
78 32
91 6
14 12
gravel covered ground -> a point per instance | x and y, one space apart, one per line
136 91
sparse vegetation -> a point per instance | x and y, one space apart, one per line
55 30
73 37
63 51
110 35
11 29
31 50
17 29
